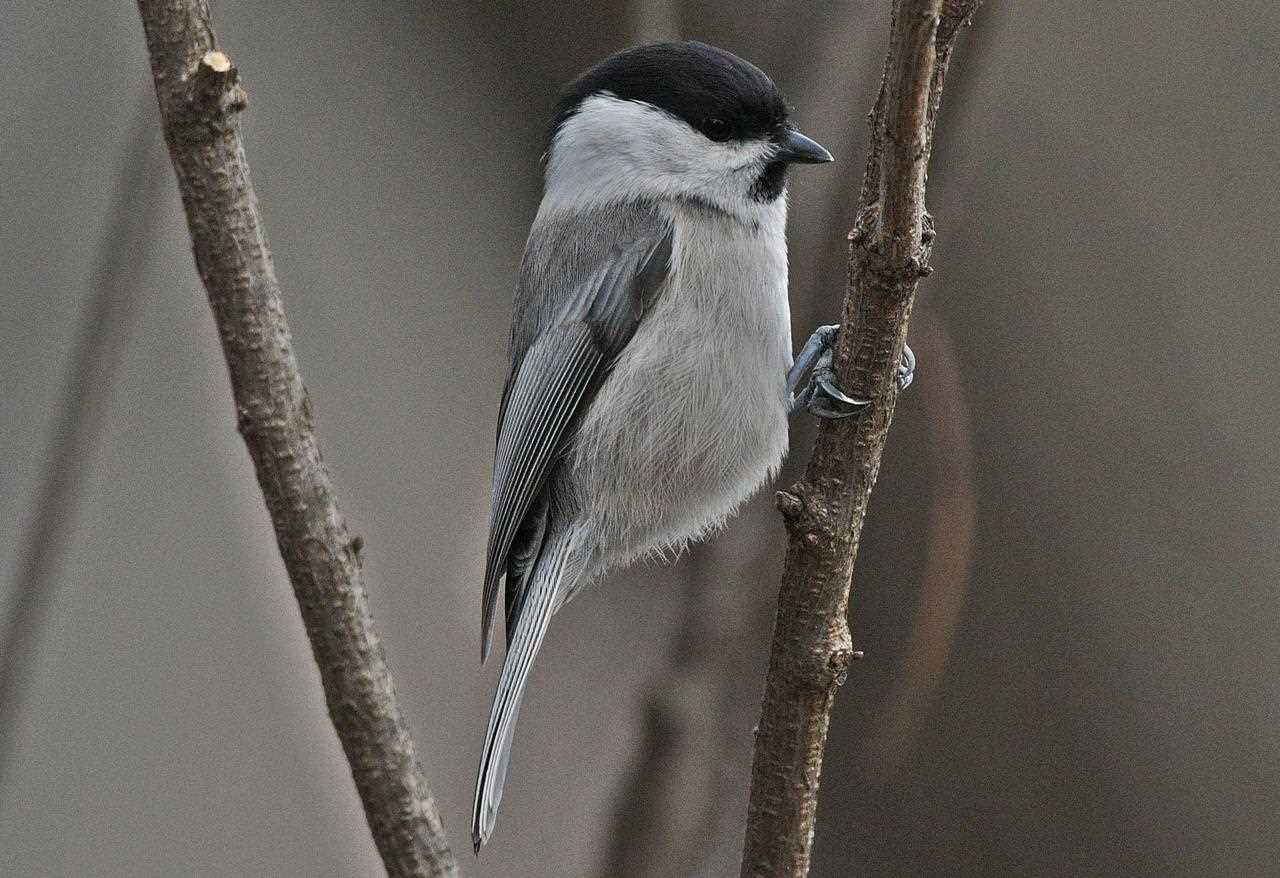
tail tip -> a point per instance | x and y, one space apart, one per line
480 833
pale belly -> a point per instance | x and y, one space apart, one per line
693 418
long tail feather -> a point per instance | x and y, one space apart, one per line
550 573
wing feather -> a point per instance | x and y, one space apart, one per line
585 310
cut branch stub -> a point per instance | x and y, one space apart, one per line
216 84
200 100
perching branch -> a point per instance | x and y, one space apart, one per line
200 100
888 254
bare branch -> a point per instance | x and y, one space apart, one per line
677 811
99 347
200 99
660 823
888 254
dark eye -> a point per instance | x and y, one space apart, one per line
717 129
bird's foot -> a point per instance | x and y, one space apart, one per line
821 395
906 368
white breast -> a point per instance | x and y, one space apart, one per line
693 417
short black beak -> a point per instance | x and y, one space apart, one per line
795 147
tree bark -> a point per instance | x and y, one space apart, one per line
200 100
888 254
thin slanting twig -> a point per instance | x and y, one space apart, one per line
659 822
200 101
95 358
888 254
676 813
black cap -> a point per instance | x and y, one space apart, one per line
714 91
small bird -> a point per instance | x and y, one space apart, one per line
651 361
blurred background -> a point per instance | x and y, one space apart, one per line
1067 592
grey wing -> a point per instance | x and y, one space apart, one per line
583 291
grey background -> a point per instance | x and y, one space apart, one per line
1104 185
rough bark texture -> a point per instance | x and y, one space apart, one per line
200 99
888 254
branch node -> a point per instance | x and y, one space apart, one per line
865 225
838 666
822 667
205 111
216 85
789 505
917 267
218 63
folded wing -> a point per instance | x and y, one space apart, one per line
584 288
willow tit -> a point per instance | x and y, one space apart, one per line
651 361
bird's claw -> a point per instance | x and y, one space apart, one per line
906 368
824 399
821 395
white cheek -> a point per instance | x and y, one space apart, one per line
616 150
